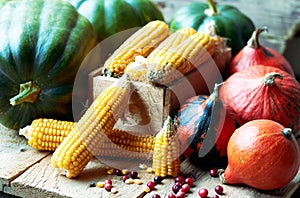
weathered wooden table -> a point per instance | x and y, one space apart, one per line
26 172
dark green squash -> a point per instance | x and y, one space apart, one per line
228 21
204 128
42 45
113 16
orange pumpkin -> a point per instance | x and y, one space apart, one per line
263 92
255 54
262 154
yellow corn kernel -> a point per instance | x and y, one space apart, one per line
149 170
141 43
125 171
177 61
166 152
100 184
114 190
129 181
80 145
138 181
110 171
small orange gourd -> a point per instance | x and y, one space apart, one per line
261 154
263 92
256 54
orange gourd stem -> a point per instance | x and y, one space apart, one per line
254 40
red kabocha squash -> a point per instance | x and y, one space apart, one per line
263 92
204 127
261 154
255 54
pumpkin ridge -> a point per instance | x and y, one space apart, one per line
44 64
282 90
53 69
11 80
13 35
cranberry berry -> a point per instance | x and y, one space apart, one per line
107 186
157 179
186 188
151 185
108 181
203 192
219 189
179 179
180 194
189 181
175 188
133 174
171 195
124 178
213 172
156 196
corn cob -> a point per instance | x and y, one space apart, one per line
175 39
166 152
137 70
47 134
141 43
171 64
79 147
122 144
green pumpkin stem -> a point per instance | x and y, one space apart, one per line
28 93
287 132
269 78
254 40
212 7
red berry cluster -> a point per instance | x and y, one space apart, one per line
181 187
203 192
132 174
107 184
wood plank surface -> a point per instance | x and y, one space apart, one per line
42 181
26 172
15 156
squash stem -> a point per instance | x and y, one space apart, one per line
221 175
269 78
215 93
254 40
28 93
213 7
287 132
